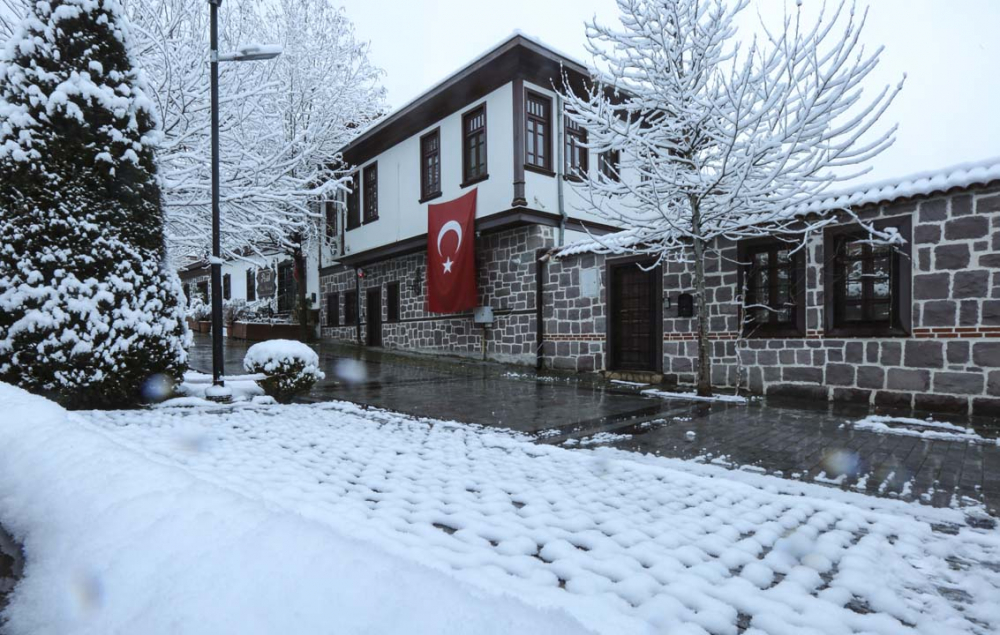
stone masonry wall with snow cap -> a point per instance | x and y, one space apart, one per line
950 362
506 262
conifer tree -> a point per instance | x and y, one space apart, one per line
89 312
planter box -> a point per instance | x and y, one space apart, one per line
259 332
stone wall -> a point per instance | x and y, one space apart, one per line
950 362
506 265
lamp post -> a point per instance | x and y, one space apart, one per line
246 53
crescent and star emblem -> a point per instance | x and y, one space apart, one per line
450 226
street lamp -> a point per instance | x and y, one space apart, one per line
248 53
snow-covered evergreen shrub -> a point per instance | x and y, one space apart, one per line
291 367
88 310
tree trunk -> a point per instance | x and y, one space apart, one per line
704 353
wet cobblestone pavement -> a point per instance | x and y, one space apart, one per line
799 441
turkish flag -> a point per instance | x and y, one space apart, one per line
451 255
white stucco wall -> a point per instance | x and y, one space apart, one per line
401 215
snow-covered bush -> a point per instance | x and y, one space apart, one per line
291 367
88 310
199 309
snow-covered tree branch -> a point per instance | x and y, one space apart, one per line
722 139
282 121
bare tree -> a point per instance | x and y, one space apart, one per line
720 139
11 12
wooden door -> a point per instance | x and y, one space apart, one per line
374 316
634 331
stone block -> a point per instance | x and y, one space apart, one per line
892 353
993 383
984 407
934 210
986 354
802 373
911 380
933 286
798 391
958 383
990 260
991 313
951 256
854 353
940 313
988 204
852 395
971 284
940 403
923 234
924 354
961 205
967 228
889 399
840 374
871 377
968 313
957 352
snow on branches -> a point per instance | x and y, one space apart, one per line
88 312
281 121
714 138
720 138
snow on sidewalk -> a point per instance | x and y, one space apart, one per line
535 533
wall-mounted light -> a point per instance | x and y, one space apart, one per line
666 301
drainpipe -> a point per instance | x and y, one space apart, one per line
560 148
357 305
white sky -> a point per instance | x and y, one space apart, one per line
949 110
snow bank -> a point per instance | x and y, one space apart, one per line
690 396
923 428
120 543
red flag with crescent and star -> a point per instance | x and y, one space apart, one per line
451 255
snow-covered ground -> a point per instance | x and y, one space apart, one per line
923 428
312 518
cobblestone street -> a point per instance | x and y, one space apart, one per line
809 442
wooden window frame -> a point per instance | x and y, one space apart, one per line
900 281
330 214
251 283
531 145
285 266
370 201
392 301
428 191
354 202
745 250
607 159
571 133
333 309
227 286
467 177
350 317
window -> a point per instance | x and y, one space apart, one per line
537 137
286 287
330 211
333 309
867 283
430 165
773 282
351 307
576 154
251 285
354 202
392 301
474 146
203 290
371 193
608 164
187 293
227 286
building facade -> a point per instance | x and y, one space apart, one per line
496 126
916 326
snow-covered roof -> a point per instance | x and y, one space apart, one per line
404 110
886 191
918 184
